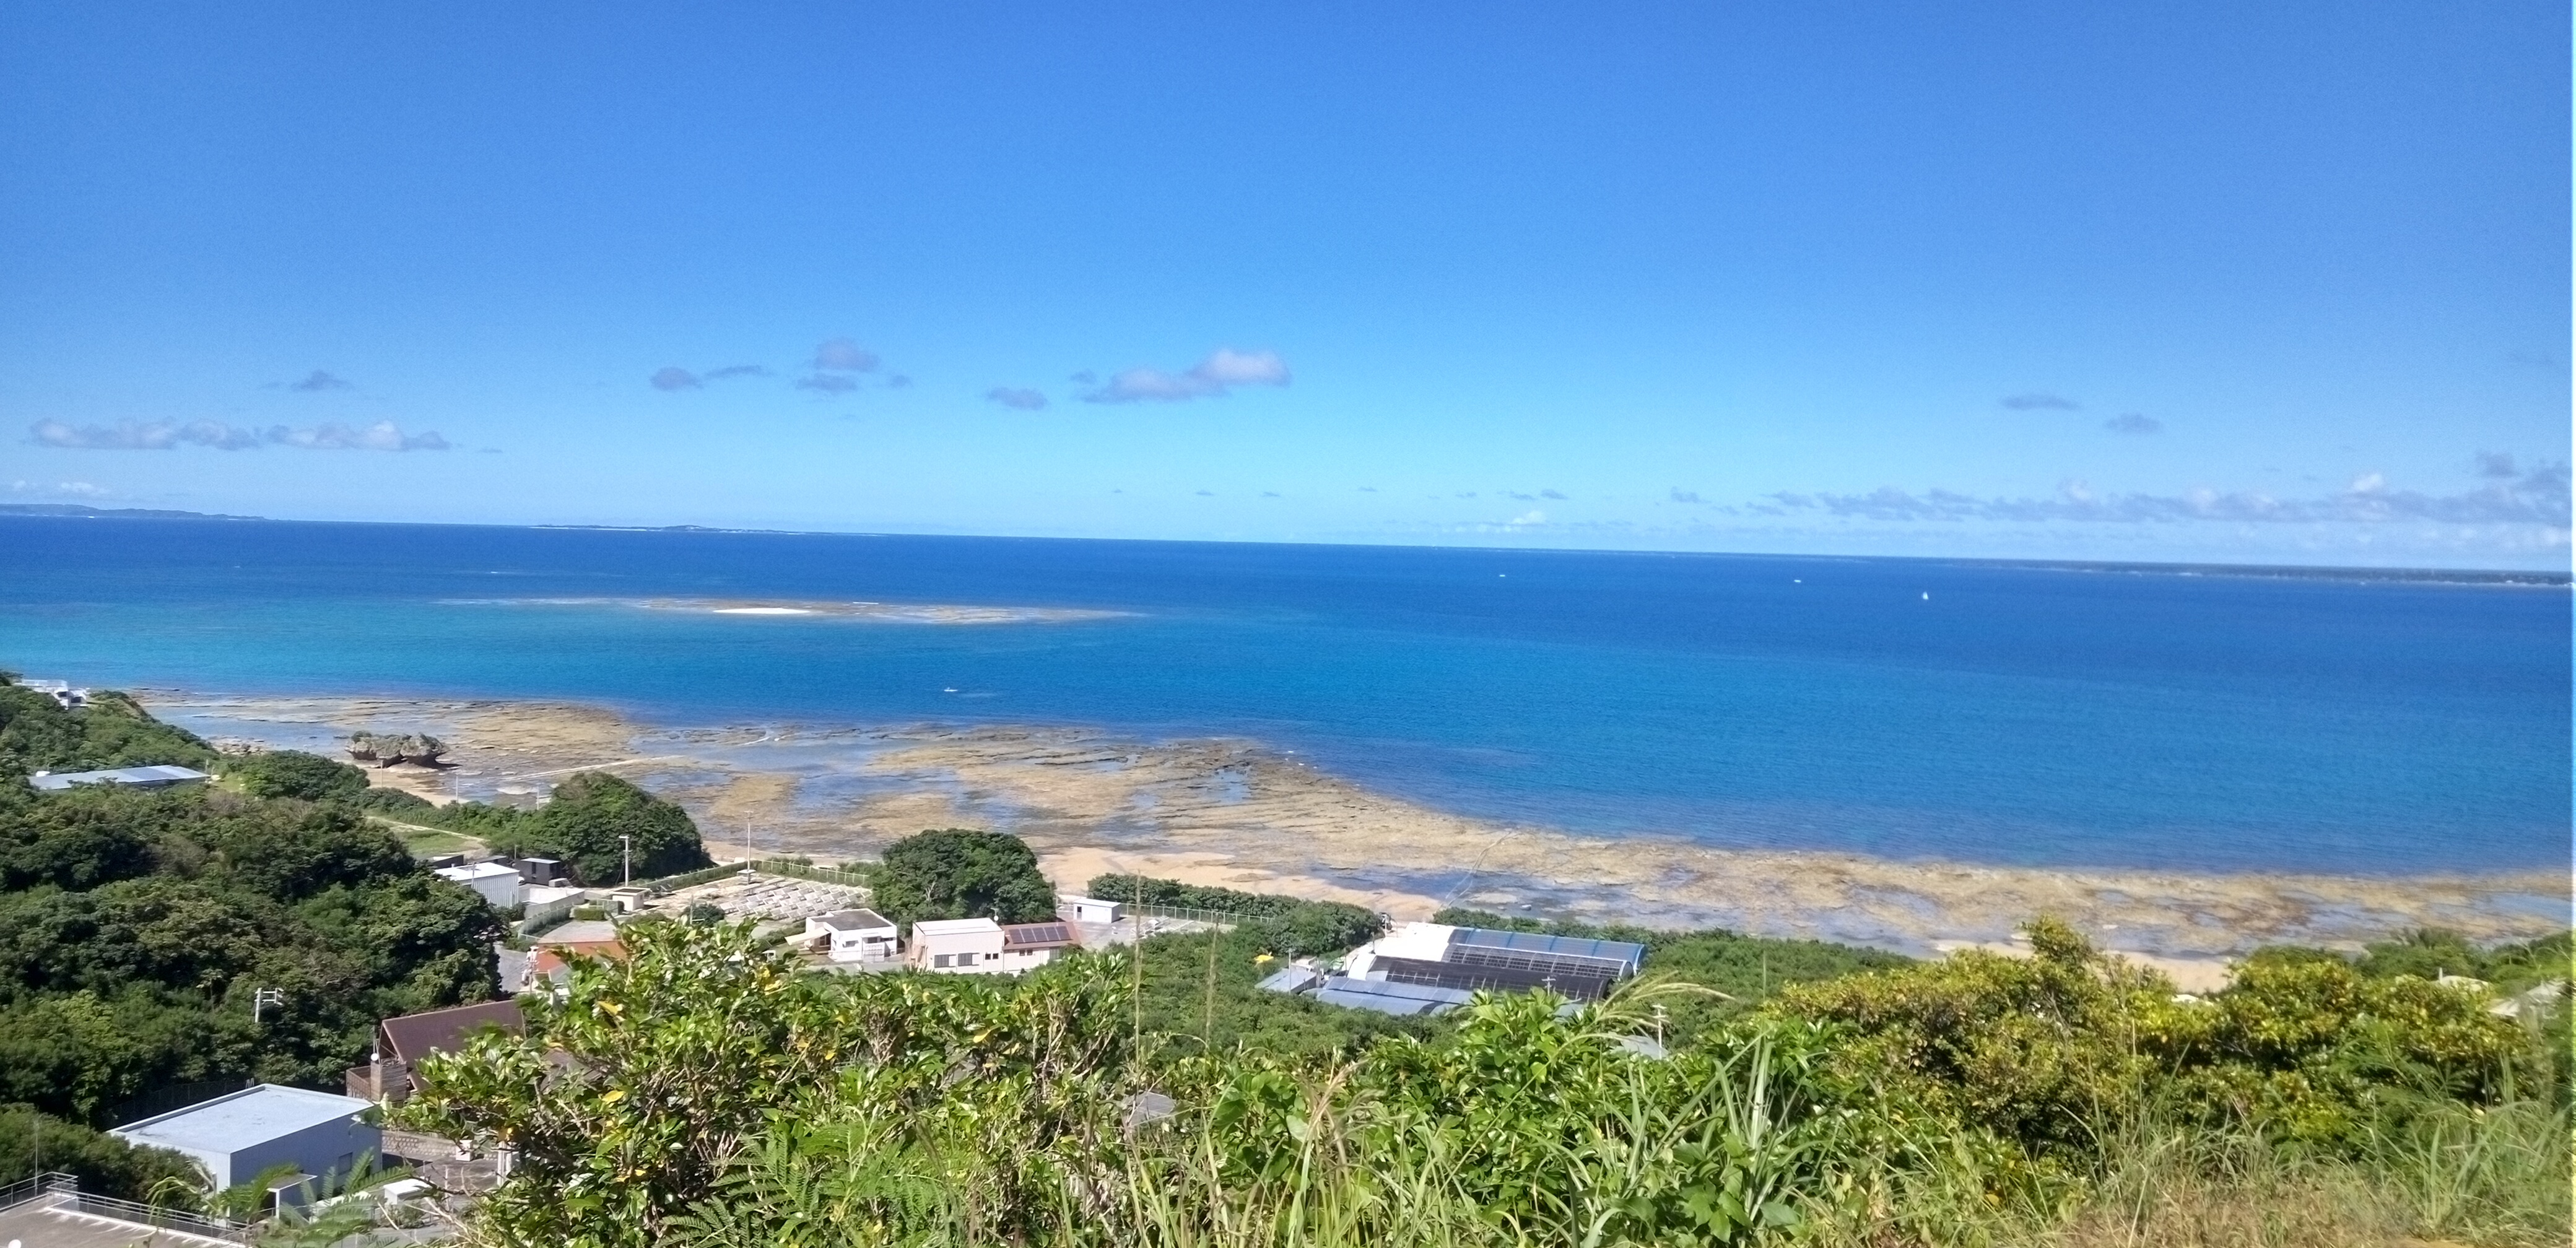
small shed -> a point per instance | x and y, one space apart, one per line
237 1135
854 935
1089 910
498 883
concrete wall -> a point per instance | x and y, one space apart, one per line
314 1150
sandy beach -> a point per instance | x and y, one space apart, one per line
1232 812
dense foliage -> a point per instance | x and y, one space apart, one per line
703 1091
36 734
580 825
2038 1048
135 926
296 774
32 1143
1287 926
958 873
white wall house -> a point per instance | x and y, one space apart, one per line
854 935
237 1135
498 884
970 946
984 947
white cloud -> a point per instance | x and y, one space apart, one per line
2037 400
1011 396
2538 497
1223 369
59 489
164 435
317 380
2133 422
828 383
675 378
842 355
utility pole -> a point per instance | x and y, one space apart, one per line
263 998
626 846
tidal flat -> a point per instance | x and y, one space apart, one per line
1242 814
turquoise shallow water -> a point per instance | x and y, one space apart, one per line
2011 714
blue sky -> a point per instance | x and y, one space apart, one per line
2268 283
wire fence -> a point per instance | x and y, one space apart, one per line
808 871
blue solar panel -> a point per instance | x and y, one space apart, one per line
1624 952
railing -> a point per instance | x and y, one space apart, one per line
77 1201
62 1192
33 1186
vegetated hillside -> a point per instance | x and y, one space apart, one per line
708 1093
112 731
580 825
135 926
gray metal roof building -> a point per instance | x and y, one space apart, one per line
155 777
236 1136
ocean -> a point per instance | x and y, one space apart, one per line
2192 719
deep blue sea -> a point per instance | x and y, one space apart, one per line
2000 713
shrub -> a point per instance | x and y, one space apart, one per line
293 773
106 1165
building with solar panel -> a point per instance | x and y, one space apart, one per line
1427 968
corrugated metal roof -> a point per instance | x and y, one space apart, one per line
1389 998
147 776
1288 979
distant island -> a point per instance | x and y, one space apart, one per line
110 513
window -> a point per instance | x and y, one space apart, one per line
940 960
965 959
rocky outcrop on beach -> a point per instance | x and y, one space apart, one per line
389 749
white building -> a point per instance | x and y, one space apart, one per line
1073 909
498 884
237 1135
854 935
546 903
972 946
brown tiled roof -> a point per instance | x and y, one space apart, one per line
550 958
415 1036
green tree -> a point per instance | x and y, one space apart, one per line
107 1166
296 774
112 730
590 810
959 873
